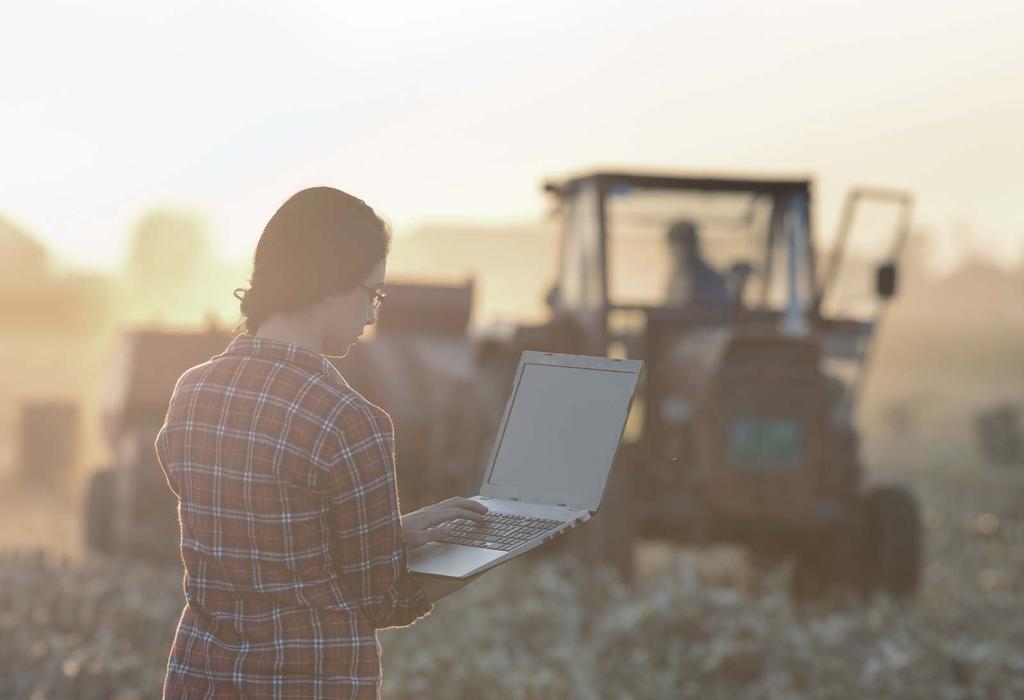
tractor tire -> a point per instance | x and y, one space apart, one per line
808 581
99 513
895 537
607 540
765 561
835 562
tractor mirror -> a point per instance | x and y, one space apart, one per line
885 280
554 297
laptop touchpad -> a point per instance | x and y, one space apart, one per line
449 559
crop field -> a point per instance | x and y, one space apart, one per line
695 623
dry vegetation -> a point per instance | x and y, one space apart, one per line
696 624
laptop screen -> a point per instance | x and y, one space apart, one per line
562 431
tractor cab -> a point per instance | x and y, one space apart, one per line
755 342
714 251
682 271
676 269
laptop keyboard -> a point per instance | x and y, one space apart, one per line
502 531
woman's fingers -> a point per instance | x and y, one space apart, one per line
418 538
460 502
438 534
427 524
435 515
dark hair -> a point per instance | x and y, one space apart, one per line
320 242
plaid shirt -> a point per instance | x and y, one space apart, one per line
290 530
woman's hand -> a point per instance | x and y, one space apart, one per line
425 525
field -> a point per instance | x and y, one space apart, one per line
694 624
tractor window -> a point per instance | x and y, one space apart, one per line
872 238
675 247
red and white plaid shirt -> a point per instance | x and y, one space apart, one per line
290 529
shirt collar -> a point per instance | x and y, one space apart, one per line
275 350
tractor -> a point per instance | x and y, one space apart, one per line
756 348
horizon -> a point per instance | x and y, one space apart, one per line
934 266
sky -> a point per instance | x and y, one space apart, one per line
457 111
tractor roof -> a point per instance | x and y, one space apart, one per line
684 181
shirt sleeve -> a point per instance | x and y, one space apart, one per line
367 522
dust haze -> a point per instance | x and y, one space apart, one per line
949 346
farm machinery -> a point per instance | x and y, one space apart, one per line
756 347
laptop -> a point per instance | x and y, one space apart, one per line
552 455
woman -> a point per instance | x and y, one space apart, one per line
293 545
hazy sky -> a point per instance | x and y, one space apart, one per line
457 110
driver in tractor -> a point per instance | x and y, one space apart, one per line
693 280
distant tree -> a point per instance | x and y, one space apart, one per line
24 261
169 266
166 244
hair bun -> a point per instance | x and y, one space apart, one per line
250 308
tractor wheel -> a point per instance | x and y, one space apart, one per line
608 539
808 580
99 515
835 562
765 560
895 536
616 522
